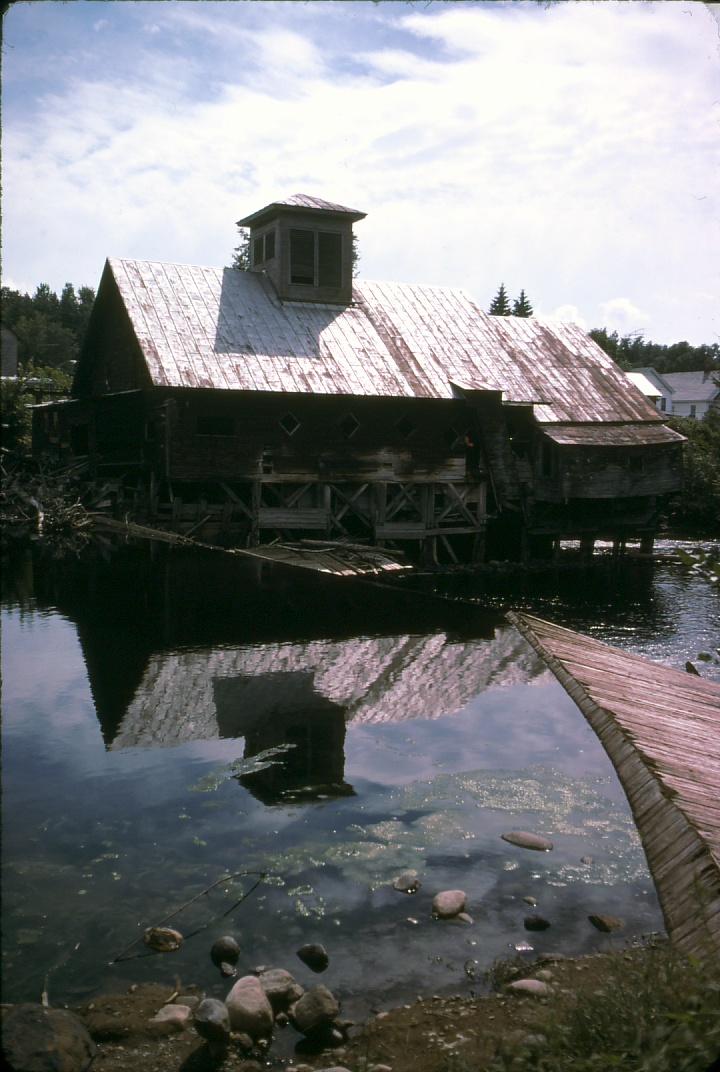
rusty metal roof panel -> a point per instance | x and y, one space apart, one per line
647 433
225 329
300 201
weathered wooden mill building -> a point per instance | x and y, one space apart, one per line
291 400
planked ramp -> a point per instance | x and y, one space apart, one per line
661 729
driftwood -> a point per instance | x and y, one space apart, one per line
121 956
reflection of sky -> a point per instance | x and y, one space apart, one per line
96 841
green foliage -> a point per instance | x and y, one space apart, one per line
18 394
522 306
241 253
500 305
658 1013
697 510
49 329
632 351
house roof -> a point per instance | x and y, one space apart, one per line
649 389
226 329
301 201
611 435
693 386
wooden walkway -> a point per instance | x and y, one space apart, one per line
661 729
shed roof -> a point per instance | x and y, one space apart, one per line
611 435
226 329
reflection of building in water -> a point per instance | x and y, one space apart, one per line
183 696
284 709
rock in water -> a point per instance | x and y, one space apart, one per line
249 1009
530 986
449 903
212 1022
37 1039
315 956
175 1016
536 923
163 939
407 882
281 989
526 840
225 950
315 1011
606 923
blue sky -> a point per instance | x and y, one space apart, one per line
570 149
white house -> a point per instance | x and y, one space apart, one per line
684 394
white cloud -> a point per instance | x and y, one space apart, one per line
569 314
567 150
621 315
100 25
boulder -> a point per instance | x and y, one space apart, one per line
407 882
175 1016
315 956
225 950
249 1009
281 989
535 987
38 1039
212 1022
526 840
606 923
449 903
315 1012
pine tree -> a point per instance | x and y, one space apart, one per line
500 303
521 306
241 253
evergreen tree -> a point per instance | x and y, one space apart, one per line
241 253
521 306
500 304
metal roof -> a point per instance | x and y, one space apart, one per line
611 435
226 329
693 386
301 201
650 390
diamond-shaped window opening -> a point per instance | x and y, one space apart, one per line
349 425
452 437
289 424
405 427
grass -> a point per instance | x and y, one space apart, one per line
646 1011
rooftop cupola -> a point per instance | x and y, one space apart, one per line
304 245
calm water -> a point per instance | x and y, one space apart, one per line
170 720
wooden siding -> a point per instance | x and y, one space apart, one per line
609 473
661 729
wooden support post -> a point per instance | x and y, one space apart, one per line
587 546
647 542
255 498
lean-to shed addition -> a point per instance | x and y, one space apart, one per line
291 398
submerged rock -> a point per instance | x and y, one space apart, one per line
38 1039
536 923
449 903
249 1009
163 939
315 956
606 923
225 950
407 882
527 840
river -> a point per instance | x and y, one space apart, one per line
170 718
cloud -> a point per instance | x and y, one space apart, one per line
621 315
569 314
565 149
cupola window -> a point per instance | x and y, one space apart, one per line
315 258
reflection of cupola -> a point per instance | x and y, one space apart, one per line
304 245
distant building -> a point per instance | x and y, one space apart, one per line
291 400
682 394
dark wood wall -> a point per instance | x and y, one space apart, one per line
567 472
234 436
